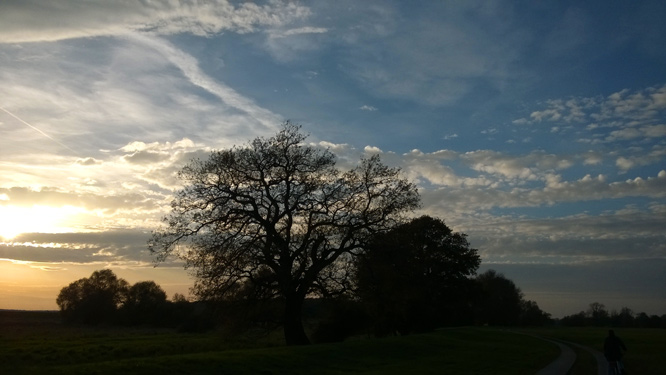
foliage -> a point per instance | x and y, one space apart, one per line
416 277
279 214
145 302
501 302
103 298
93 300
532 315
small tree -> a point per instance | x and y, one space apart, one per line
280 207
93 300
499 301
416 277
532 315
146 301
598 314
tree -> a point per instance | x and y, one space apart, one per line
280 207
598 314
500 299
93 300
532 315
145 301
416 277
625 318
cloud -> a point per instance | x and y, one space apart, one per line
592 158
88 161
655 156
66 19
412 60
291 44
107 203
367 108
92 105
372 150
626 106
579 238
546 115
111 246
527 167
146 157
298 31
459 184
643 132
190 68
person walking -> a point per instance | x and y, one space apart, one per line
613 347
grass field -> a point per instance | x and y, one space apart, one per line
35 343
646 346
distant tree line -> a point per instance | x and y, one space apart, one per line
105 299
598 315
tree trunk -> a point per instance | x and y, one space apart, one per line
294 333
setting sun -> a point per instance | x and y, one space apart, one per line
15 220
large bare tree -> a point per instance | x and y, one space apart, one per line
278 213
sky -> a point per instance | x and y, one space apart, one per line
536 128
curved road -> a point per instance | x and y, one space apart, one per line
565 361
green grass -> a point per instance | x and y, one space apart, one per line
460 351
55 349
646 345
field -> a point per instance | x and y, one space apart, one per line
645 346
37 343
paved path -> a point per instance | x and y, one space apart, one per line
565 361
602 364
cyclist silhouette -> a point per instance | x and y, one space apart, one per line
613 347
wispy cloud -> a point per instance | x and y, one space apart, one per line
190 68
414 60
298 31
622 108
37 130
65 19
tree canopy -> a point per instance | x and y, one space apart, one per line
279 214
417 277
94 299
499 301
145 301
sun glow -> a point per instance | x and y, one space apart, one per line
15 220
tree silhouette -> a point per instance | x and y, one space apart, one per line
532 315
281 207
93 300
145 301
416 277
500 299
598 313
